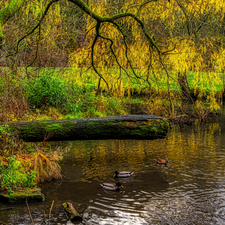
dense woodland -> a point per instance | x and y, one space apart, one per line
73 59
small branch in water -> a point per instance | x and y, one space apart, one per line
3 223
29 212
44 222
50 212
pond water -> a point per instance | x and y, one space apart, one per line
190 190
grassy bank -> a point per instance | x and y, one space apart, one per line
24 165
121 83
70 93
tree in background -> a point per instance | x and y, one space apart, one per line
143 40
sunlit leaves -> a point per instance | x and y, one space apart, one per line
182 28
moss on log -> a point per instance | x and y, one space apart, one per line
113 127
21 195
71 212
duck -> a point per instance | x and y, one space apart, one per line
122 174
162 161
112 186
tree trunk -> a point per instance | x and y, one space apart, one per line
182 80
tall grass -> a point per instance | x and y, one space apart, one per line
46 168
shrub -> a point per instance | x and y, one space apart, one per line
50 91
9 140
13 176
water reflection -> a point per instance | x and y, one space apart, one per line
190 190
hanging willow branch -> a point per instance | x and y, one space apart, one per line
34 28
36 52
100 20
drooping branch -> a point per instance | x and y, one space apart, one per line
117 60
186 15
8 12
99 20
92 54
36 53
143 4
126 47
114 54
34 28
113 19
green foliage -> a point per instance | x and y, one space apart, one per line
13 176
54 128
113 106
8 140
49 90
11 144
4 130
78 115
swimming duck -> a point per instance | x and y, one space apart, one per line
162 161
111 186
122 174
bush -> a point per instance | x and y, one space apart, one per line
9 141
12 176
50 91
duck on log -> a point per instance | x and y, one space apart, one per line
112 127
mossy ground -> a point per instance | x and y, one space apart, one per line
22 194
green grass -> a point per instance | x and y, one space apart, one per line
76 88
205 81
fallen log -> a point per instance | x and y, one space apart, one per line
112 127
71 211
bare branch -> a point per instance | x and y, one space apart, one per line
32 31
92 54
36 53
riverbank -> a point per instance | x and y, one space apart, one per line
190 188
48 97
23 165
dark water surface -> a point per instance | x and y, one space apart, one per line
190 190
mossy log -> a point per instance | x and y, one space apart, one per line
71 211
22 195
113 127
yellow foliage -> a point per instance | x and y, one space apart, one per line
115 58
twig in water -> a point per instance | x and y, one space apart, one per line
44 222
29 212
50 212
3 223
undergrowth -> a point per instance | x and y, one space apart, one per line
66 93
24 164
